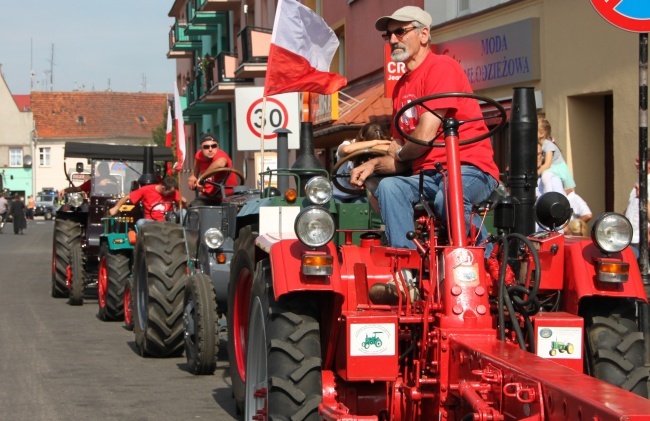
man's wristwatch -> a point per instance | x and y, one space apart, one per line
399 151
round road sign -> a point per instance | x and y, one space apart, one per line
276 117
631 15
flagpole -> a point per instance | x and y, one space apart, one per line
262 137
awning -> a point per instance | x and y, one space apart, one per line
362 104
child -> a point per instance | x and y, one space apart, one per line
578 227
372 136
553 161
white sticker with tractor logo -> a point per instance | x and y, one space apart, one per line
372 339
559 342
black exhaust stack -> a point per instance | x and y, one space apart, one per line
522 177
306 159
148 176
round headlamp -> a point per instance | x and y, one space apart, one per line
612 232
213 238
75 199
314 226
319 190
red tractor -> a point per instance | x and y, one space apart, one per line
457 345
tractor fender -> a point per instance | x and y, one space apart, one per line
581 278
286 258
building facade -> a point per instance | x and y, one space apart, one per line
92 117
16 152
583 70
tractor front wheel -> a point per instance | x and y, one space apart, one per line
114 270
128 304
67 236
615 347
76 278
239 294
201 328
283 355
159 281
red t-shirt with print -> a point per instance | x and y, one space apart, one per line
204 163
155 204
436 75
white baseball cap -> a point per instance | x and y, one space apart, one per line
405 14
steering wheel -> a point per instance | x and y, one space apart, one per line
221 186
501 115
335 179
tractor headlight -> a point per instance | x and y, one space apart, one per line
318 190
75 199
612 232
314 226
213 238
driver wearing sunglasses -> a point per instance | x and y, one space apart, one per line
208 158
407 33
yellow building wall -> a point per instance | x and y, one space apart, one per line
583 58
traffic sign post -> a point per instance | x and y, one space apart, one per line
280 112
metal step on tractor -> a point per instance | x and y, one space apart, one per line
466 337
76 247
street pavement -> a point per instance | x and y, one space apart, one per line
63 363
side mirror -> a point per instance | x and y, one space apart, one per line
80 167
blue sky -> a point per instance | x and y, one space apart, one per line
125 41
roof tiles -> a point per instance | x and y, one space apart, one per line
97 114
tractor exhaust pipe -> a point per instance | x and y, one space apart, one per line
522 177
306 157
148 176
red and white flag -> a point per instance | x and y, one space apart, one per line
302 48
180 131
168 137
168 133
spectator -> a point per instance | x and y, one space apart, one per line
577 227
372 136
632 210
31 204
553 161
17 212
4 205
208 159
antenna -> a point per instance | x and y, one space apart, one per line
51 72
144 83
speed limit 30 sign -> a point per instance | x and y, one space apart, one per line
280 111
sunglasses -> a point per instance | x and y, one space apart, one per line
211 146
399 32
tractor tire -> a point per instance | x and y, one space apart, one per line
67 236
239 293
615 347
283 355
201 327
114 270
128 304
76 278
159 274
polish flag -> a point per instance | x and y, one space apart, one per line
302 47
168 136
168 133
180 131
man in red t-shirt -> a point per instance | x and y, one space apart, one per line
157 199
407 31
208 158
